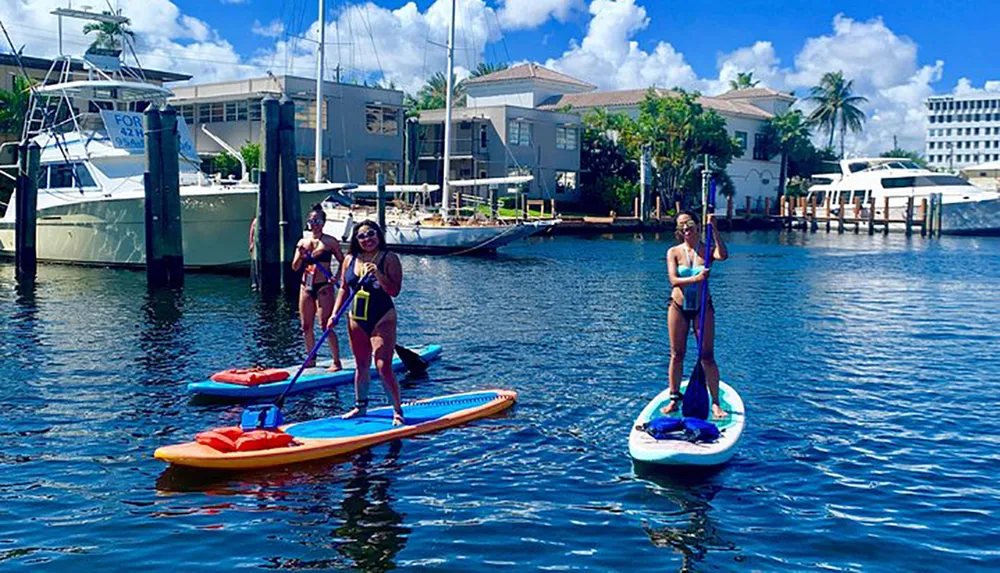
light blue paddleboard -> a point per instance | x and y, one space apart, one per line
311 379
646 448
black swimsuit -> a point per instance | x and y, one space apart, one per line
312 288
371 303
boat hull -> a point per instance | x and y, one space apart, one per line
111 232
416 238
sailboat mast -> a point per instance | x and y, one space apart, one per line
320 127
445 190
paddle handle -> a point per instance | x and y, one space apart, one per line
708 256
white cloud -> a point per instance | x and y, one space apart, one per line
609 58
272 30
528 14
964 86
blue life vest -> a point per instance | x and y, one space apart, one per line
688 429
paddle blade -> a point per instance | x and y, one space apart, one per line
695 404
413 362
261 417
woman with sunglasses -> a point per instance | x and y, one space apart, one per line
317 291
377 275
686 269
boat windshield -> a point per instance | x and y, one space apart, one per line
923 181
898 165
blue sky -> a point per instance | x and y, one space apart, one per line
898 53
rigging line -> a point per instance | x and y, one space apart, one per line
127 40
366 19
503 39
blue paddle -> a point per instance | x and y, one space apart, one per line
414 363
268 416
696 400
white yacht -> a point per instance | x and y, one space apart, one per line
91 194
966 209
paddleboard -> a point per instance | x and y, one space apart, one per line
330 437
311 379
644 447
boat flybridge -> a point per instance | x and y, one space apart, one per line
966 209
90 192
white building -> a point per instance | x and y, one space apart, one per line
745 111
963 130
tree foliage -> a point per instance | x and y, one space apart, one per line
251 155
109 34
913 156
14 106
836 106
786 134
487 68
226 165
608 176
678 132
432 94
743 81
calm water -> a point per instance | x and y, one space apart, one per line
869 367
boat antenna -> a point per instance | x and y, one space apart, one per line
320 126
445 190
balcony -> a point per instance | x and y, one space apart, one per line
434 148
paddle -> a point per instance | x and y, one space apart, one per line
696 400
268 416
413 362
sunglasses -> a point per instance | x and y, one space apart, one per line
367 235
315 221
687 225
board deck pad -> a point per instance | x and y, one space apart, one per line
311 379
646 448
335 436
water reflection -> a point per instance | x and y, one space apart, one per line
692 490
275 330
161 336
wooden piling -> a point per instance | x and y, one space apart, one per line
172 228
156 270
909 216
827 201
923 217
267 240
290 225
857 215
747 208
677 208
635 208
729 212
658 209
939 214
26 213
494 205
767 205
871 216
380 199
885 207
840 216
813 226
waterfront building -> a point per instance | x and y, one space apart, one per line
533 113
962 130
363 125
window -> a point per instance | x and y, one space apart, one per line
69 176
565 137
759 153
565 182
254 109
518 132
241 110
218 112
389 168
382 120
305 114
230 111
187 112
483 132
43 177
204 113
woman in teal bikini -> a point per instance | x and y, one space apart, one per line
686 269
372 328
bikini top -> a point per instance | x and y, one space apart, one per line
690 269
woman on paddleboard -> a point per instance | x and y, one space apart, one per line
686 269
377 275
314 255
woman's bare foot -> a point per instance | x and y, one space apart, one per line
311 364
359 410
398 419
718 413
336 367
672 406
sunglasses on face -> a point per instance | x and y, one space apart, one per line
687 225
315 221
367 235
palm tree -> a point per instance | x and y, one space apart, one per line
836 105
785 133
485 69
743 81
14 106
432 95
108 33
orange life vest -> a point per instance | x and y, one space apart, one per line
251 376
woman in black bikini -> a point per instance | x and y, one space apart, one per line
317 291
378 277
686 270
